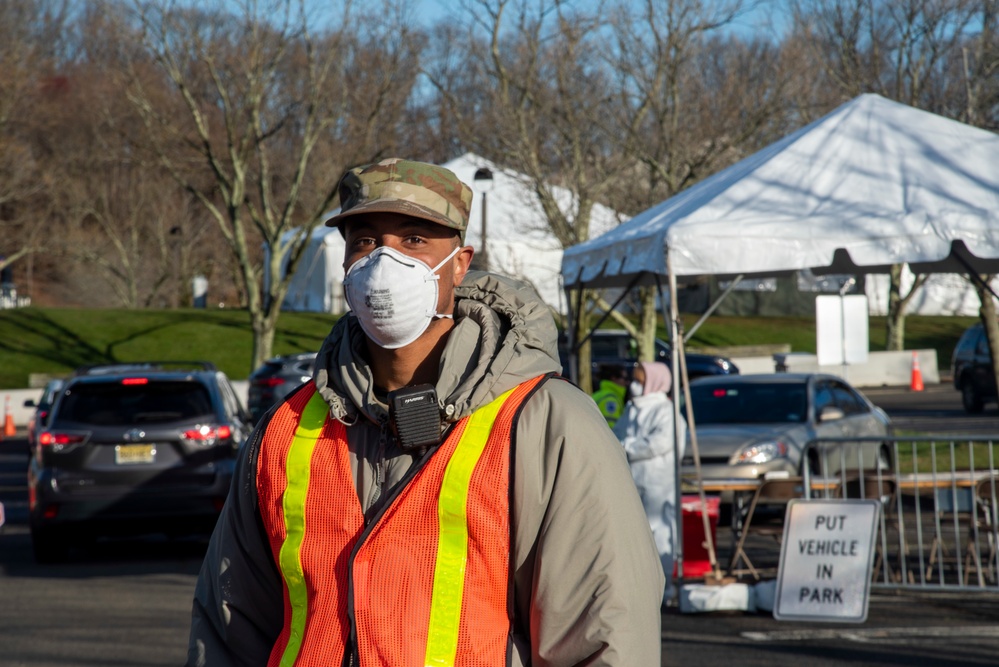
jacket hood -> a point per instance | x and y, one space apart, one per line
658 377
503 335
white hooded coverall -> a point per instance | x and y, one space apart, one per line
646 432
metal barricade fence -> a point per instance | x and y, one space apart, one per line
938 526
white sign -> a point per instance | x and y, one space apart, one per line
825 560
841 329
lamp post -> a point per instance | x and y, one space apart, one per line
486 176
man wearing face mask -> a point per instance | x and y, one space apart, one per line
437 495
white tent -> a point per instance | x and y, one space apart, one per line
317 285
872 184
520 244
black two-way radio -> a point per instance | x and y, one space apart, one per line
415 416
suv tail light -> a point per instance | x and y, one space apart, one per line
269 382
207 435
60 441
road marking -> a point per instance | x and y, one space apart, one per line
872 634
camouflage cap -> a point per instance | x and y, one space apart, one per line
417 189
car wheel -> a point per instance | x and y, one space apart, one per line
971 399
50 545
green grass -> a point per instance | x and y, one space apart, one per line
57 340
925 456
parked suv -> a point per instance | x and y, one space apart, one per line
616 347
971 366
133 449
275 379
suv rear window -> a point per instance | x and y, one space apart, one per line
117 404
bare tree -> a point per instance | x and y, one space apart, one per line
31 36
683 107
529 91
265 113
980 70
691 97
906 51
987 314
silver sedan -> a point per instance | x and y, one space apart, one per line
751 426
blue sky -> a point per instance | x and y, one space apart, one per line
428 12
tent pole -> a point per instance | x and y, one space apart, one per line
573 354
974 275
678 353
713 307
603 319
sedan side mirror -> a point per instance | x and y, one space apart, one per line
831 413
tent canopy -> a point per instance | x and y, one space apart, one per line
872 184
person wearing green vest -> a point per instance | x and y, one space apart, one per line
612 393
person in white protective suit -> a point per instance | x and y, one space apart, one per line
646 432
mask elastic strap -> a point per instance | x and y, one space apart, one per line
433 272
433 276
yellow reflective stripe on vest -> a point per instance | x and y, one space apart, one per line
452 540
297 472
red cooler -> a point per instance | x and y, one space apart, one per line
696 562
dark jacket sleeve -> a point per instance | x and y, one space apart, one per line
238 599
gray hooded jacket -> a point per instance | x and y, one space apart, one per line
587 580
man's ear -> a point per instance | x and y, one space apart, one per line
462 260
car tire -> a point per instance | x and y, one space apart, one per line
50 545
971 400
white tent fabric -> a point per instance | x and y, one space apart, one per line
942 294
519 242
317 285
873 183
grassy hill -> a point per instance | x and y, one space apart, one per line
57 340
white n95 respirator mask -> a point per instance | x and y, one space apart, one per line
394 296
636 388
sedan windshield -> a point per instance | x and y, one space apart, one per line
749 403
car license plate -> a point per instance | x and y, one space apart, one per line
131 454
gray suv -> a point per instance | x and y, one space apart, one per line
133 449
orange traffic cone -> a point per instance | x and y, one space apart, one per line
8 419
916 383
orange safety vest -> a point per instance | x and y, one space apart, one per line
427 582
